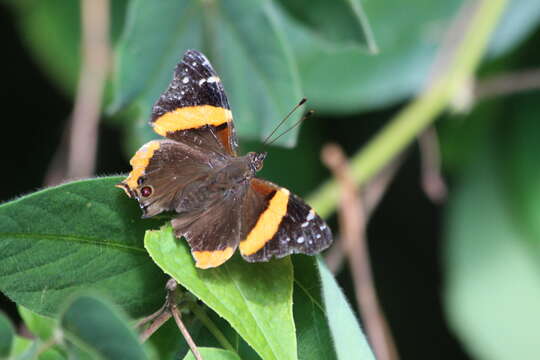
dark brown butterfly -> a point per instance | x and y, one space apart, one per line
197 173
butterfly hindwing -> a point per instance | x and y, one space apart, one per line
212 233
161 169
195 107
277 223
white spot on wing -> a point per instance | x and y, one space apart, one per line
305 224
300 240
202 81
212 79
185 80
311 215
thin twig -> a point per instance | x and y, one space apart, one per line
185 332
95 60
151 317
155 325
352 225
371 195
507 83
433 183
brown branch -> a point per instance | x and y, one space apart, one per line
432 181
95 60
185 332
508 83
352 229
169 308
172 300
371 195
155 325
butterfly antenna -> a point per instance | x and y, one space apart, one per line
302 102
305 117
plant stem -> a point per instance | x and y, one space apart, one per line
414 118
178 319
156 324
201 315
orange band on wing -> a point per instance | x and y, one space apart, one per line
140 161
267 225
191 117
212 258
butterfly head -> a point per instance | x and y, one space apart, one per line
256 160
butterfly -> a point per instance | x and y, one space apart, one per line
196 172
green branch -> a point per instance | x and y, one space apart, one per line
414 118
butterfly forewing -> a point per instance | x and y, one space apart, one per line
195 106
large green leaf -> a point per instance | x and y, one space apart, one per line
243 39
341 21
148 49
256 299
492 274
213 354
82 235
346 333
100 330
7 335
342 79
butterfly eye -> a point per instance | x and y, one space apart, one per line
146 191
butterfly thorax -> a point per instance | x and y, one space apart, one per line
230 180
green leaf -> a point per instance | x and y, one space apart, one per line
41 326
244 41
343 80
96 327
258 67
7 333
342 21
256 299
312 330
492 275
346 333
145 60
82 235
213 354
520 18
